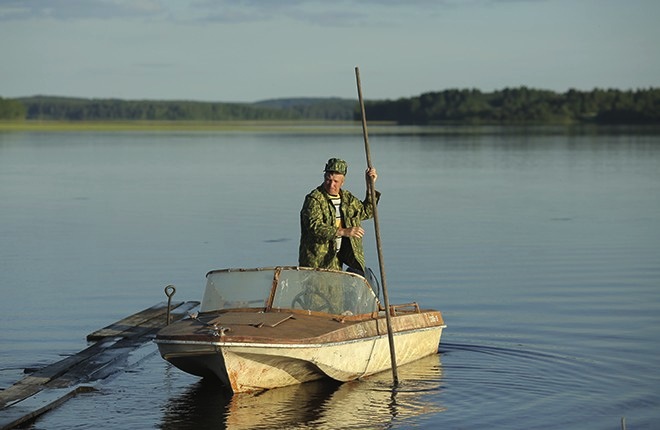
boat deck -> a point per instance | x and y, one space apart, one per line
291 327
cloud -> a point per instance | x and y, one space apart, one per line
316 12
336 13
19 10
322 14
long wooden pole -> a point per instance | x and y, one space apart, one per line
381 264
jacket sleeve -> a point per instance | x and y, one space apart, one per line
357 210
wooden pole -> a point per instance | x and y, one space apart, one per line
372 190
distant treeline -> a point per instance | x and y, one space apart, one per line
521 105
468 106
77 109
11 109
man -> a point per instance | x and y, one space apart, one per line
330 231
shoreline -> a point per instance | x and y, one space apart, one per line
318 127
167 126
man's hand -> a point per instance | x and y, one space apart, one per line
350 232
371 173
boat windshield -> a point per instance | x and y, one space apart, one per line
333 292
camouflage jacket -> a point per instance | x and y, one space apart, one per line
318 230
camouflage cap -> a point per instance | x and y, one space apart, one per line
336 165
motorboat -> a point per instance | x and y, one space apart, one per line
263 328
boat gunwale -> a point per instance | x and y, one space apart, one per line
293 345
395 310
334 317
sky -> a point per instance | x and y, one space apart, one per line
253 50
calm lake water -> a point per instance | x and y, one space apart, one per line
542 249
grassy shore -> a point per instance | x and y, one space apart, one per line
314 127
168 126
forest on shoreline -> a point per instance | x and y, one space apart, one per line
454 106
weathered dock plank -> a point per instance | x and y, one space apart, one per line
38 404
124 327
48 387
37 380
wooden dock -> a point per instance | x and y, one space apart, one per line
49 387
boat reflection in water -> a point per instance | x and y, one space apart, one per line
369 403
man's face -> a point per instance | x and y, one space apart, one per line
332 182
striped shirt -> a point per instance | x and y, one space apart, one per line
336 201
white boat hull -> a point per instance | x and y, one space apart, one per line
254 366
